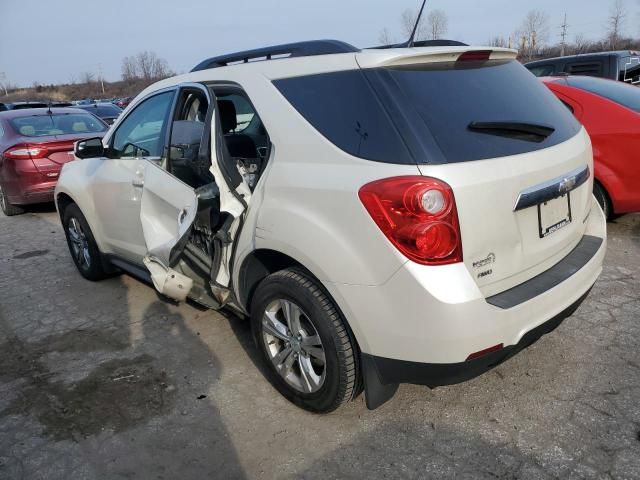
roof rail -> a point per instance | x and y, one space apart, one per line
426 43
298 49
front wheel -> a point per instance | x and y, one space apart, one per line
304 341
82 245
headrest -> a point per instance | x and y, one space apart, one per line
27 130
79 127
227 115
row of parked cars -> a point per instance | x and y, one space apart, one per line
383 216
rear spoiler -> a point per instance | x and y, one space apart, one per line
412 56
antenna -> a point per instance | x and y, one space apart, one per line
415 27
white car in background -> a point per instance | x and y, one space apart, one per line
383 215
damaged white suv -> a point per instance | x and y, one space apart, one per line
384 216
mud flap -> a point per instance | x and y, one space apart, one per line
376 393
167 281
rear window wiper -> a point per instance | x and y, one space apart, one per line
529 132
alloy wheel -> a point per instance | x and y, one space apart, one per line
294 346
79 243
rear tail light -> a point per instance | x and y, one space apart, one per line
26 151
34 151
418 215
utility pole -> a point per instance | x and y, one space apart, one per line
3 82
100 75
564 27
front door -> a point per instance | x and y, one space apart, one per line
117 184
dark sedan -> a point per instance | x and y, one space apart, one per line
108 112
34 144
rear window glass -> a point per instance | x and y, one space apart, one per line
45 125
103 110
422 113
618 92
542 70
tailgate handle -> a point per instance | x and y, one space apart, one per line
557 187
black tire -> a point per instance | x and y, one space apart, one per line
340 369
89 260
603 199
7 208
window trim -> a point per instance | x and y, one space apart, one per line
163 132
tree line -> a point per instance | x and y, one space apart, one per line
532 36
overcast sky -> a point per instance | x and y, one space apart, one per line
53 41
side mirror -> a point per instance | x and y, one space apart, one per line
89 148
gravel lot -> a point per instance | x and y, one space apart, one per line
105 380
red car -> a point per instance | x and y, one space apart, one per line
34 144
610 111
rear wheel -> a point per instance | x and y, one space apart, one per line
603 199
8 209
304 342
82 246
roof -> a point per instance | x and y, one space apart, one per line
287 50
30 112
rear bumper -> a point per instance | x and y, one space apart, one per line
25 184
439 316
391 371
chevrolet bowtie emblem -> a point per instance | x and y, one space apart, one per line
566 185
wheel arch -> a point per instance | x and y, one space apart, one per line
63 200
260 263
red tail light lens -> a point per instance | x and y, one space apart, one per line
26 151
477 55
418 215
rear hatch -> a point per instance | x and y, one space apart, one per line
518 162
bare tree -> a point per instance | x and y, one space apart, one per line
580 44
385 37
129 69
87 77
617 16
498 41
533 33
146 66
408 21
437 24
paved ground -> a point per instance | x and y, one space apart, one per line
104 380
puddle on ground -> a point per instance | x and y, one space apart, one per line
117 395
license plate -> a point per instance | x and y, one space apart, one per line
554 215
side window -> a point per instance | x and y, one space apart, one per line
245 135
542 70
141 133
187 129
593 69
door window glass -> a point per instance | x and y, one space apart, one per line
187 129
141 133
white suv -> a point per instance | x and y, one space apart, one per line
384 216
